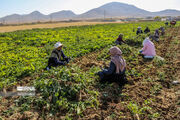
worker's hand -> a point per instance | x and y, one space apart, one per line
140 51
67 59
63 63
98 73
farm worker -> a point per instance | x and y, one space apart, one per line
166 23
162 30
156 35
119 40
139 31
147 30
148 50
117 68
173 23
57 57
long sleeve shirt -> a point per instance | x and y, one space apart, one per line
120 39
139 31
56 58
146 30
148 49
110 70
156 34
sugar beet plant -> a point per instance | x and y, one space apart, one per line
64 89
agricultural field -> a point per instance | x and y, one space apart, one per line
73 91
11 28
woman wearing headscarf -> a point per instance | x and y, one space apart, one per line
162 29
148 50
57 57
147 30
120 40
117 68
139 31
156 35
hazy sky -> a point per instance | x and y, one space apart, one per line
8 7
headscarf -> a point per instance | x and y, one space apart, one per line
157 31
146 39
58 44
116 58
120 35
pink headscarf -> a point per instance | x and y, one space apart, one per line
117 59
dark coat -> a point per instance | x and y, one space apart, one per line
119 40
147 30
139 31
156 34
57 58
110 74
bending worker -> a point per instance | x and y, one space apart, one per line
119 40
147 30
139 31
162 29
57 57
116 71
148 50
156 35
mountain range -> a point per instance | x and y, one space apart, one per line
109 10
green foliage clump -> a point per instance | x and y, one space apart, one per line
159 61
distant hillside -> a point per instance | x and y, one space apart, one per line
110 10
14 18
33 17
115 9
168 12
62 15
36 16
